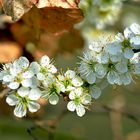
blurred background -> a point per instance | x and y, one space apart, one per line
56 32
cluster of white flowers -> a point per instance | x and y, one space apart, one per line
28 82
100 13
73 85
24 80
111 58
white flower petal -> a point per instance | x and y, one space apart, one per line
86 99
80 110
35 82
28 74
12 100
71 74
135 41
8 78
128 53
128 33
2 74
95 46
27 83
15 70
119 37
52 69
72 95
77 81
121 67
113 48
61 77
40 76
34 94
33 106
103 57
23 91
23 62
34 67
78 91
136 58
112 77
135 28
91 78
70 88
95 92
62 87
71 106
45 61
126 78
13 85
100 70
53 99
20 110
116 58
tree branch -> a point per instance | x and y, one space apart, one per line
4 92
47 125
127 114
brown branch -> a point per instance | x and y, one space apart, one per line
4 92
126 114
47 125
29 130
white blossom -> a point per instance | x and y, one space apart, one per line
135 28
24 99
78 102
69 81
95 91
45 68
52 90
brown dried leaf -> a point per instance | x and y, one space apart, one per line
16 8
48 30
49 21
58 3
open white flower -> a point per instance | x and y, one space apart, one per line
46 67
25 99
18 74
69 81
100 13
130 40
52 89
86 68
78 102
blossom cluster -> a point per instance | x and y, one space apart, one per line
29 82
111 58
100 13
23 79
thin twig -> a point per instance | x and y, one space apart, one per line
127 114
4 92
30 130
47 125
